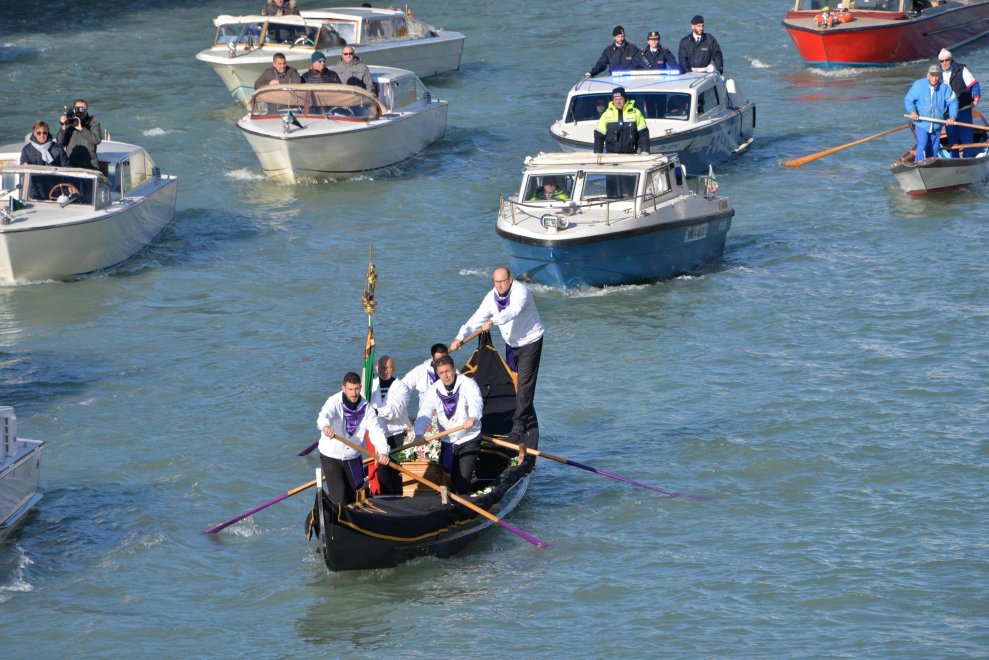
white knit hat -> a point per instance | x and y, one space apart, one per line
945 54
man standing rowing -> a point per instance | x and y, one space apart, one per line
510 306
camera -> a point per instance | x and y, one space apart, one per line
71 113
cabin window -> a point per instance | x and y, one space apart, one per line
240 33
404 92
328 38
346 29
708 100
587 106
8 182
599 186
102 196
282 34
342 104
534 186
40 187
658 183
652 105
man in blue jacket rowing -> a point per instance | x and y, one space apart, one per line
930 97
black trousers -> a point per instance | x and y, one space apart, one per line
461 467
527 360
341 478
389 478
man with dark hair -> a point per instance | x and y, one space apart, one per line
424 375
455 400
700 51
348 415
618 56
279 73
79 135
390 399
279 8
510 306
622 128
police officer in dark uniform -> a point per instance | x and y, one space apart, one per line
656 56
698 50
619 56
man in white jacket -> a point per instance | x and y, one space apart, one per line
390 400
348 415
510 306
456 401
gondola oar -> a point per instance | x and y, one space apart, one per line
468 338
565 461
456 498
278 499
945 121
976 145
797 162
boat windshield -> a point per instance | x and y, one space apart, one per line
255 33
545 187
43 187
346 29
653 105
599 186
239 33
337 103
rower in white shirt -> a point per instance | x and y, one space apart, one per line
456 400
510 306
390 400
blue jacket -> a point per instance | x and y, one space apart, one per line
617 58
661 59
938 102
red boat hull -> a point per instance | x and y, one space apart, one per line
886 38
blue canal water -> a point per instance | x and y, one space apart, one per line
825 384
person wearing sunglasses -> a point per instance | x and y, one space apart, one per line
80 133
957 76
42 150
352 71
318 71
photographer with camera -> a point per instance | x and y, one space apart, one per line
80 133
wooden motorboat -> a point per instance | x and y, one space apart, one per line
701 117
882 32
244 45
329 131
63 222
383 531
621 219
20 469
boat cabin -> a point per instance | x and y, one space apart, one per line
690 97
249 33
123 168
365 25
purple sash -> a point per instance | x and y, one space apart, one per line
355 466
431 376
352 418
502 303
510 358
449 403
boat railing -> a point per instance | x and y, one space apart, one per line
521 211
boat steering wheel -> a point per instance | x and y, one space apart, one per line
303 41
55 193
342 112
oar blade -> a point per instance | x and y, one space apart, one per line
518 532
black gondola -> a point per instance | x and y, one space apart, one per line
383 531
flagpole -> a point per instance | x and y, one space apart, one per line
369 304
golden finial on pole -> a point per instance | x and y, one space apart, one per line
372 278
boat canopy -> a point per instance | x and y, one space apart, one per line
323 100
288 31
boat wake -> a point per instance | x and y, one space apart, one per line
152 132
759 64
244 174
17 582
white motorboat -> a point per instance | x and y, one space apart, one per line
701 117
611 219
63 222
20 469
331 131
244 45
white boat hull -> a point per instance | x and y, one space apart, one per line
426 57
88 242
351 148
19 475
934 174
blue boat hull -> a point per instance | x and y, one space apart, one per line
640 255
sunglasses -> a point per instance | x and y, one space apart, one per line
345 54
41 132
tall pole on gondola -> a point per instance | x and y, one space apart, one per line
369 304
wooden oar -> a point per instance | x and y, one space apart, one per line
456 498
945 121
565 461
468 338
797 162
278 499
977 145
